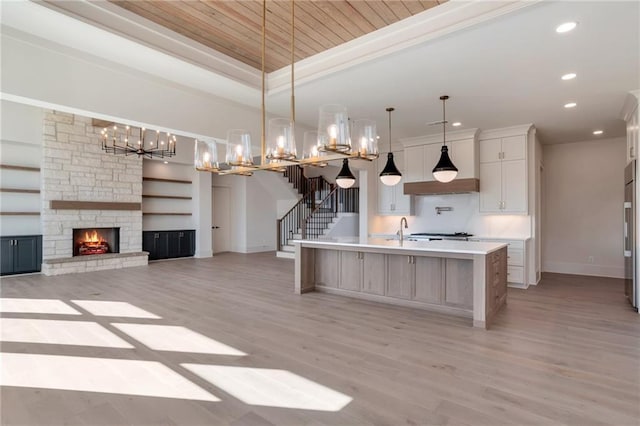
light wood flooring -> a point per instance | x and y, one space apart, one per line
564 352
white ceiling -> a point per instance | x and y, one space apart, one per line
500 72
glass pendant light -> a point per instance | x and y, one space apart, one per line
366 138
345 178
206 156
311 149
239 148
333 129
281 144
390 175
444 171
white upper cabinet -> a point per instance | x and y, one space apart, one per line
503 170
422 154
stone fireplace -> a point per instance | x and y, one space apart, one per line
85 188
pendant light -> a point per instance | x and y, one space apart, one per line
444 171
345 178
390 175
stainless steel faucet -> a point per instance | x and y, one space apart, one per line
404 219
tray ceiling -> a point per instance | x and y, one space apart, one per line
235 27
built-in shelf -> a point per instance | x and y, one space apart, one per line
22 168
166 214
19 213
151 179
20 191
171 197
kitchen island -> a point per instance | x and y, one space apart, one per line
463 278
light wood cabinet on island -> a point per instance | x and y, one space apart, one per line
435 281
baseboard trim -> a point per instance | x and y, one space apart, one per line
584 269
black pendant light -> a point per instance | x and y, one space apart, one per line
390 175
345 178
444 171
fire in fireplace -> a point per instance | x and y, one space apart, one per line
96 241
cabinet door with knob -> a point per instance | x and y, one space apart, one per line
20 254
503 175
401 272
168 244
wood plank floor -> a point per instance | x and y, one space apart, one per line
564 352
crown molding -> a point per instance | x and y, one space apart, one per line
630 104
504 132
452 136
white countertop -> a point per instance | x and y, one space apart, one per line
441 246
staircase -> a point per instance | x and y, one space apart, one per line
314 214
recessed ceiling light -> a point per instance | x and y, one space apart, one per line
566 27
598 132
570 105
166 162
456 124
569 76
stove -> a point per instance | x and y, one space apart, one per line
460 236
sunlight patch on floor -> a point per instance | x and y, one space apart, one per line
105 308
271 388
176 339
36 306
57 332
104 375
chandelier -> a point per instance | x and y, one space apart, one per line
331 142
139 141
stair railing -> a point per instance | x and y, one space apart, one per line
291 222
339 200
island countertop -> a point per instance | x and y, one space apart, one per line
393 246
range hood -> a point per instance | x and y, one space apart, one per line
456 186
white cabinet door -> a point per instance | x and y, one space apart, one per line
414 164
431 158
514 186
490 150
490 187
402 202
462 155
514 147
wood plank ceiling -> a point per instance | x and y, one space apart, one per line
235 27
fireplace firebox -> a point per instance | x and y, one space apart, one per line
92 241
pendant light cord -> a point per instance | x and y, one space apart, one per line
263 159
389 111
444 119
444 122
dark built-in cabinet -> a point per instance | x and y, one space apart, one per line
20 254
169 244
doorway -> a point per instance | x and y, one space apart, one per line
220 220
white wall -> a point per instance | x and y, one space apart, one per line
256 203
20 145
583 196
